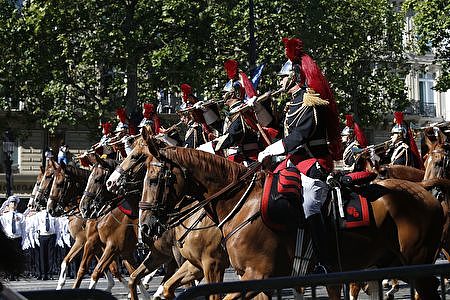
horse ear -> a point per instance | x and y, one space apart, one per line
42 169
146 133
101 161
54 164
153 147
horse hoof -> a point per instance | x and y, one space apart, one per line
388 297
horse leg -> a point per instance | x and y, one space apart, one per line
394 289
134 278
129 263
107 257
88 254
73 252
355 287
187 273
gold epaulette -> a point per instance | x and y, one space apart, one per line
311 98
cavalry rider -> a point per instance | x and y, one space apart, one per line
150 118
121 140
205 116
354 140
403 149
238 137
312 140
195 134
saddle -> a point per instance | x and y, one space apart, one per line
282 200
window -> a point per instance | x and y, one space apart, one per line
426 94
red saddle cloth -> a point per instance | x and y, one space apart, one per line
130 210
356 211
281 203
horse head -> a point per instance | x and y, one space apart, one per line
96 196
46 183
68 183
437 159
130 168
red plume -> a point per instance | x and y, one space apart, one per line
248 86
231 66
106 127
317 81
418 162
293 48
187 90
360 137
120 112
349 121
148 109
398 115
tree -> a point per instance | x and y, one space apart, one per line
432 33
68 60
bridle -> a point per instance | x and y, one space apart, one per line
164 184
41 196
444 166
65 202
125 175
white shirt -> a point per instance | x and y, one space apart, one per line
40 218
6 220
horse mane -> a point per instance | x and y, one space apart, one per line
77 172
214 166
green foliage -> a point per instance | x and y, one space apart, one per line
67 60
432 33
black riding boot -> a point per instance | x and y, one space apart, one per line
321 243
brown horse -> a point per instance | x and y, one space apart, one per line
117 231
406 223
200 240
64 197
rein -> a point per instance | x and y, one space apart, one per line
187 213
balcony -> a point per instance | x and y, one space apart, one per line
422 109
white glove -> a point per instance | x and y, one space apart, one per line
198 104
251 101
276 148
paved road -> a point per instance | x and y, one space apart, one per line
120 292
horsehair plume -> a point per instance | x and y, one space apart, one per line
231 67
148 109
349 121
293 48
398 116
106 127
186 89
317 81
248 86
360 137
121 113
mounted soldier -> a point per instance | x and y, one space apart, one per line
201 115
120 141
205 113
239 139
150 118
195 134
403 149
312 139
354 141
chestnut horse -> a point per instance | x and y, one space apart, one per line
64 197
406 220
117 231
199 240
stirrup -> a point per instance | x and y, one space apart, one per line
321 269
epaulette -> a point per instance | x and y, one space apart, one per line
311 98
